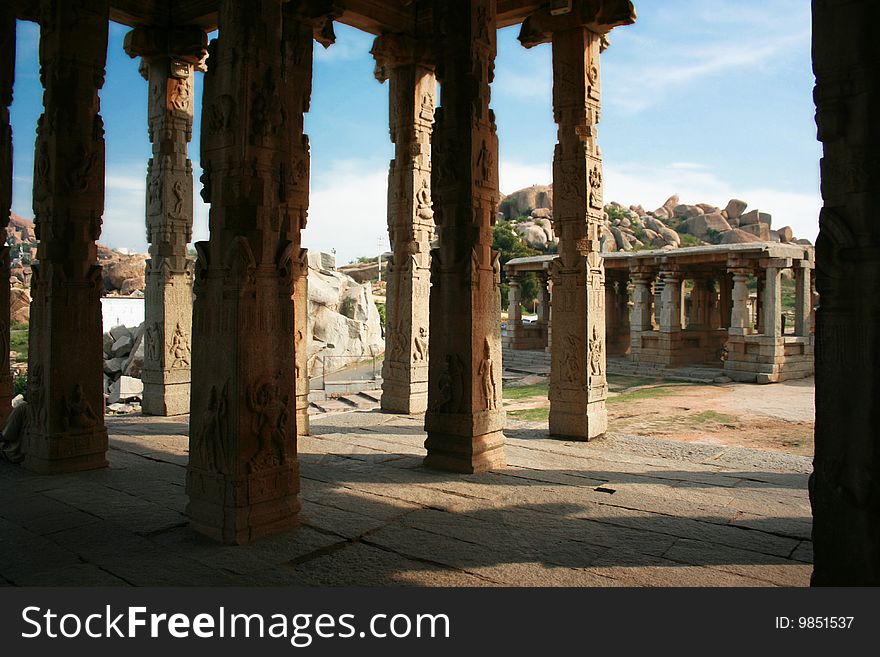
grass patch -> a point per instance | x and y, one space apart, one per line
709 416
18 341
530 414
524 392
620 383
651 392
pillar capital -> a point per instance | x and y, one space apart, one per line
185 45
395 50
595 15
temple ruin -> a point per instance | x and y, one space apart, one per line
650 319
237 348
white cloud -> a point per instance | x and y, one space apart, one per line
348 209
516 175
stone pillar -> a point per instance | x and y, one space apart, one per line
845 485
465 419
514 298
578 387
702 303
412 90
772 309
549 305
243 473
543 299
739 314
65 379
759 302
643 300
803 298
169 203
670 302
302 334
7 76
725 300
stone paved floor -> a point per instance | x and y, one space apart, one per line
623 511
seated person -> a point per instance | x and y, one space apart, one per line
12 434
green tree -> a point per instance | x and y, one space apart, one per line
510 246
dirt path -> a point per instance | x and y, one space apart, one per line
777 417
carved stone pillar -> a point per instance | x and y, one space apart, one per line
578 387
465 419
845 485
243 474
725 300
702 303
759 303
302 333
543 299
670 302
7 76
514 306
643 300
803 301
65 385
739 315
772 309
169 60
412 91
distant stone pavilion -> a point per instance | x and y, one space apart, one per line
650 319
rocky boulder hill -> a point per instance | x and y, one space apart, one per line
633 228
345 323
123 271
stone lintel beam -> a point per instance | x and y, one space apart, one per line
599 16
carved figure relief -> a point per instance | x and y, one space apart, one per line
572 363
297 345
35 399
210 443
420 345
79 175
151 344
423 202
180 351
271 414
179 191
485 162
486 372
221 115
397 350
596 187
450 386
426 112
79 413
154 194
180 95
595 354
267 115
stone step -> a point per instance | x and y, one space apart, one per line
331 406
358 402
374 395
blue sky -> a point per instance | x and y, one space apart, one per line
709 99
